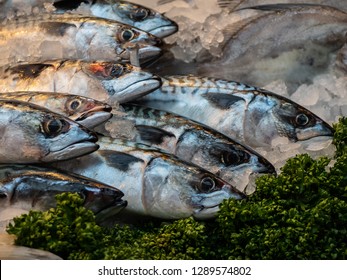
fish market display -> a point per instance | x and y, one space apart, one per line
86 111
24 188
193 142
155 184
101 80
32 134
70 36
251 115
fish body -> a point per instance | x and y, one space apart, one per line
27 188
128 13
86 111
154 183
70 36
32 134
132 14
248 114
101 80
196 143
232 5
293 43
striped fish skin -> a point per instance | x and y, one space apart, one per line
24 188
101 80
86 111
33 134
196 143
154 183
248 114
71 36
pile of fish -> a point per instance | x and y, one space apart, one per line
82 109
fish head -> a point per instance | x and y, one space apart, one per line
299 124
133 39
35 188
144 18
234 163
35 134
123 82
270 116
87 111
176 189
222 156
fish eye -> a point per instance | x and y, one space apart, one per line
207 184
302 119
74 104
117 70
230 158
127 35
139 14
53 127
234 157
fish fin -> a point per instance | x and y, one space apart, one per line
56 28
152 134
231 5
119 160
222 100
29 71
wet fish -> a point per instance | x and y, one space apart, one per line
248 114
24 188
154 183
101 80
293 43
71 36
86 111
232 5
132 14
32 134
195 143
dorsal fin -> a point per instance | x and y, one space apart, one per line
119 160
151 134
222 100
29 71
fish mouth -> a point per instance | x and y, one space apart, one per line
265 167
209 210
320 129
149 52
110 210
164 31
95 116
76 149
138 89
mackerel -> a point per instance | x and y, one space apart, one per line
154 183
251 115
